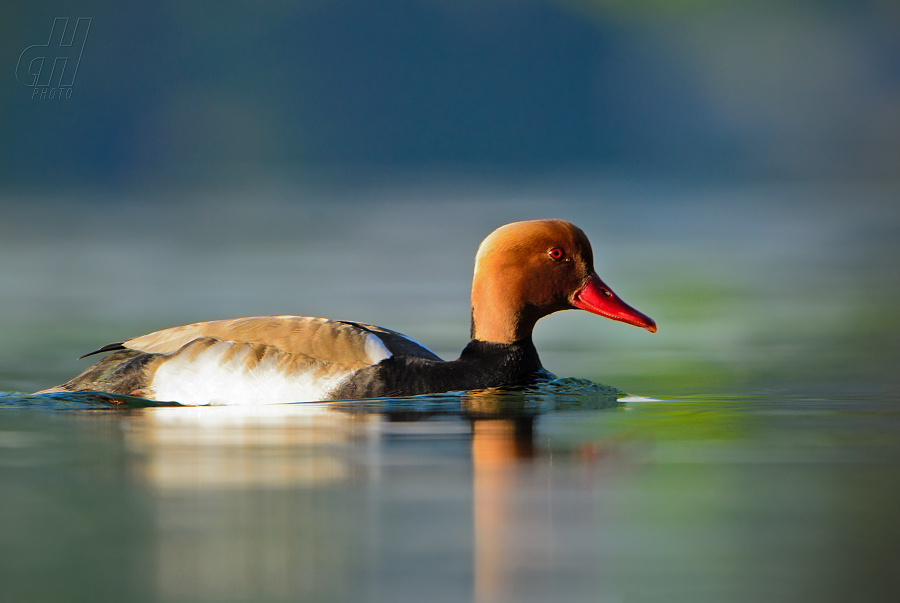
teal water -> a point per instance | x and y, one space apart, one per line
530 497
757 459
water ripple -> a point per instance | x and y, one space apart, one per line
546 396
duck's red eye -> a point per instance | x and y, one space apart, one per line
556 253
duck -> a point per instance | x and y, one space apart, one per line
524 271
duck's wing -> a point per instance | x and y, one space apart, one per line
342 342
247 360
396 343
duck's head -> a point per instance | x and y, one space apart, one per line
527 270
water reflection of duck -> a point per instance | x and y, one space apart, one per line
523 272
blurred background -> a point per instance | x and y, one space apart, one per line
736 166
734 163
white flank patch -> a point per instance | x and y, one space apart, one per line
375 349
205 379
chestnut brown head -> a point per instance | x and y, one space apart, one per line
527 270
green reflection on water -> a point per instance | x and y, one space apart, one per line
772 499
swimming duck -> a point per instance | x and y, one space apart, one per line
523 272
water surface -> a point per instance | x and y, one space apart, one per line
770 472
540 496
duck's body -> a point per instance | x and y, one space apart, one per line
282 359
523 271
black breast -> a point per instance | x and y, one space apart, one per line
481 365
